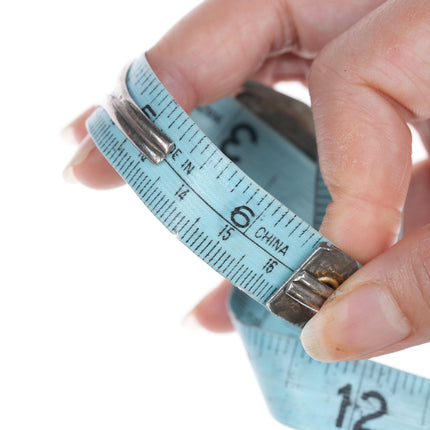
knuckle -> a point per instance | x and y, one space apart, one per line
331 78
288 35
334 62
408 85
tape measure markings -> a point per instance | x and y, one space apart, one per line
250 190
206 200
230 223
140 189
276 350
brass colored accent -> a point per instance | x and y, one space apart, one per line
329 280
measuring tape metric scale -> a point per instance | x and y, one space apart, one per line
194 173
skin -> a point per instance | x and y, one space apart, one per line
367 68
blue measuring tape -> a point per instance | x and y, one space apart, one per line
194 173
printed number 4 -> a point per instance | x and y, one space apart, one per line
346 401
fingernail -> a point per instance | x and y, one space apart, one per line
191 322
68 134
80 156
72 132
360 322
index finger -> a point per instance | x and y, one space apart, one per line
365 86
220 44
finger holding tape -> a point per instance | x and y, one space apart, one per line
382 308
416 216
362 101
361 119
88 166
219 45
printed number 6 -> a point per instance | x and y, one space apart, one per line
241 216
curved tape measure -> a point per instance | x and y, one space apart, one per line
178 166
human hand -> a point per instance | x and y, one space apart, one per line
365 64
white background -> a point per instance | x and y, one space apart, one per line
92 287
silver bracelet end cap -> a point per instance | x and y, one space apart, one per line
303 294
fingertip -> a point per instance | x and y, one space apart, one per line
76 131
89 167
380 309
362 321
360 228
211 313
191 322
69 175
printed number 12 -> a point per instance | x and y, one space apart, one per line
346 401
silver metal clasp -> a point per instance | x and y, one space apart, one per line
135 124
312 283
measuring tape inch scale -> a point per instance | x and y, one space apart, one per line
283 267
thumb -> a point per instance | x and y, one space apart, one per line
382 308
